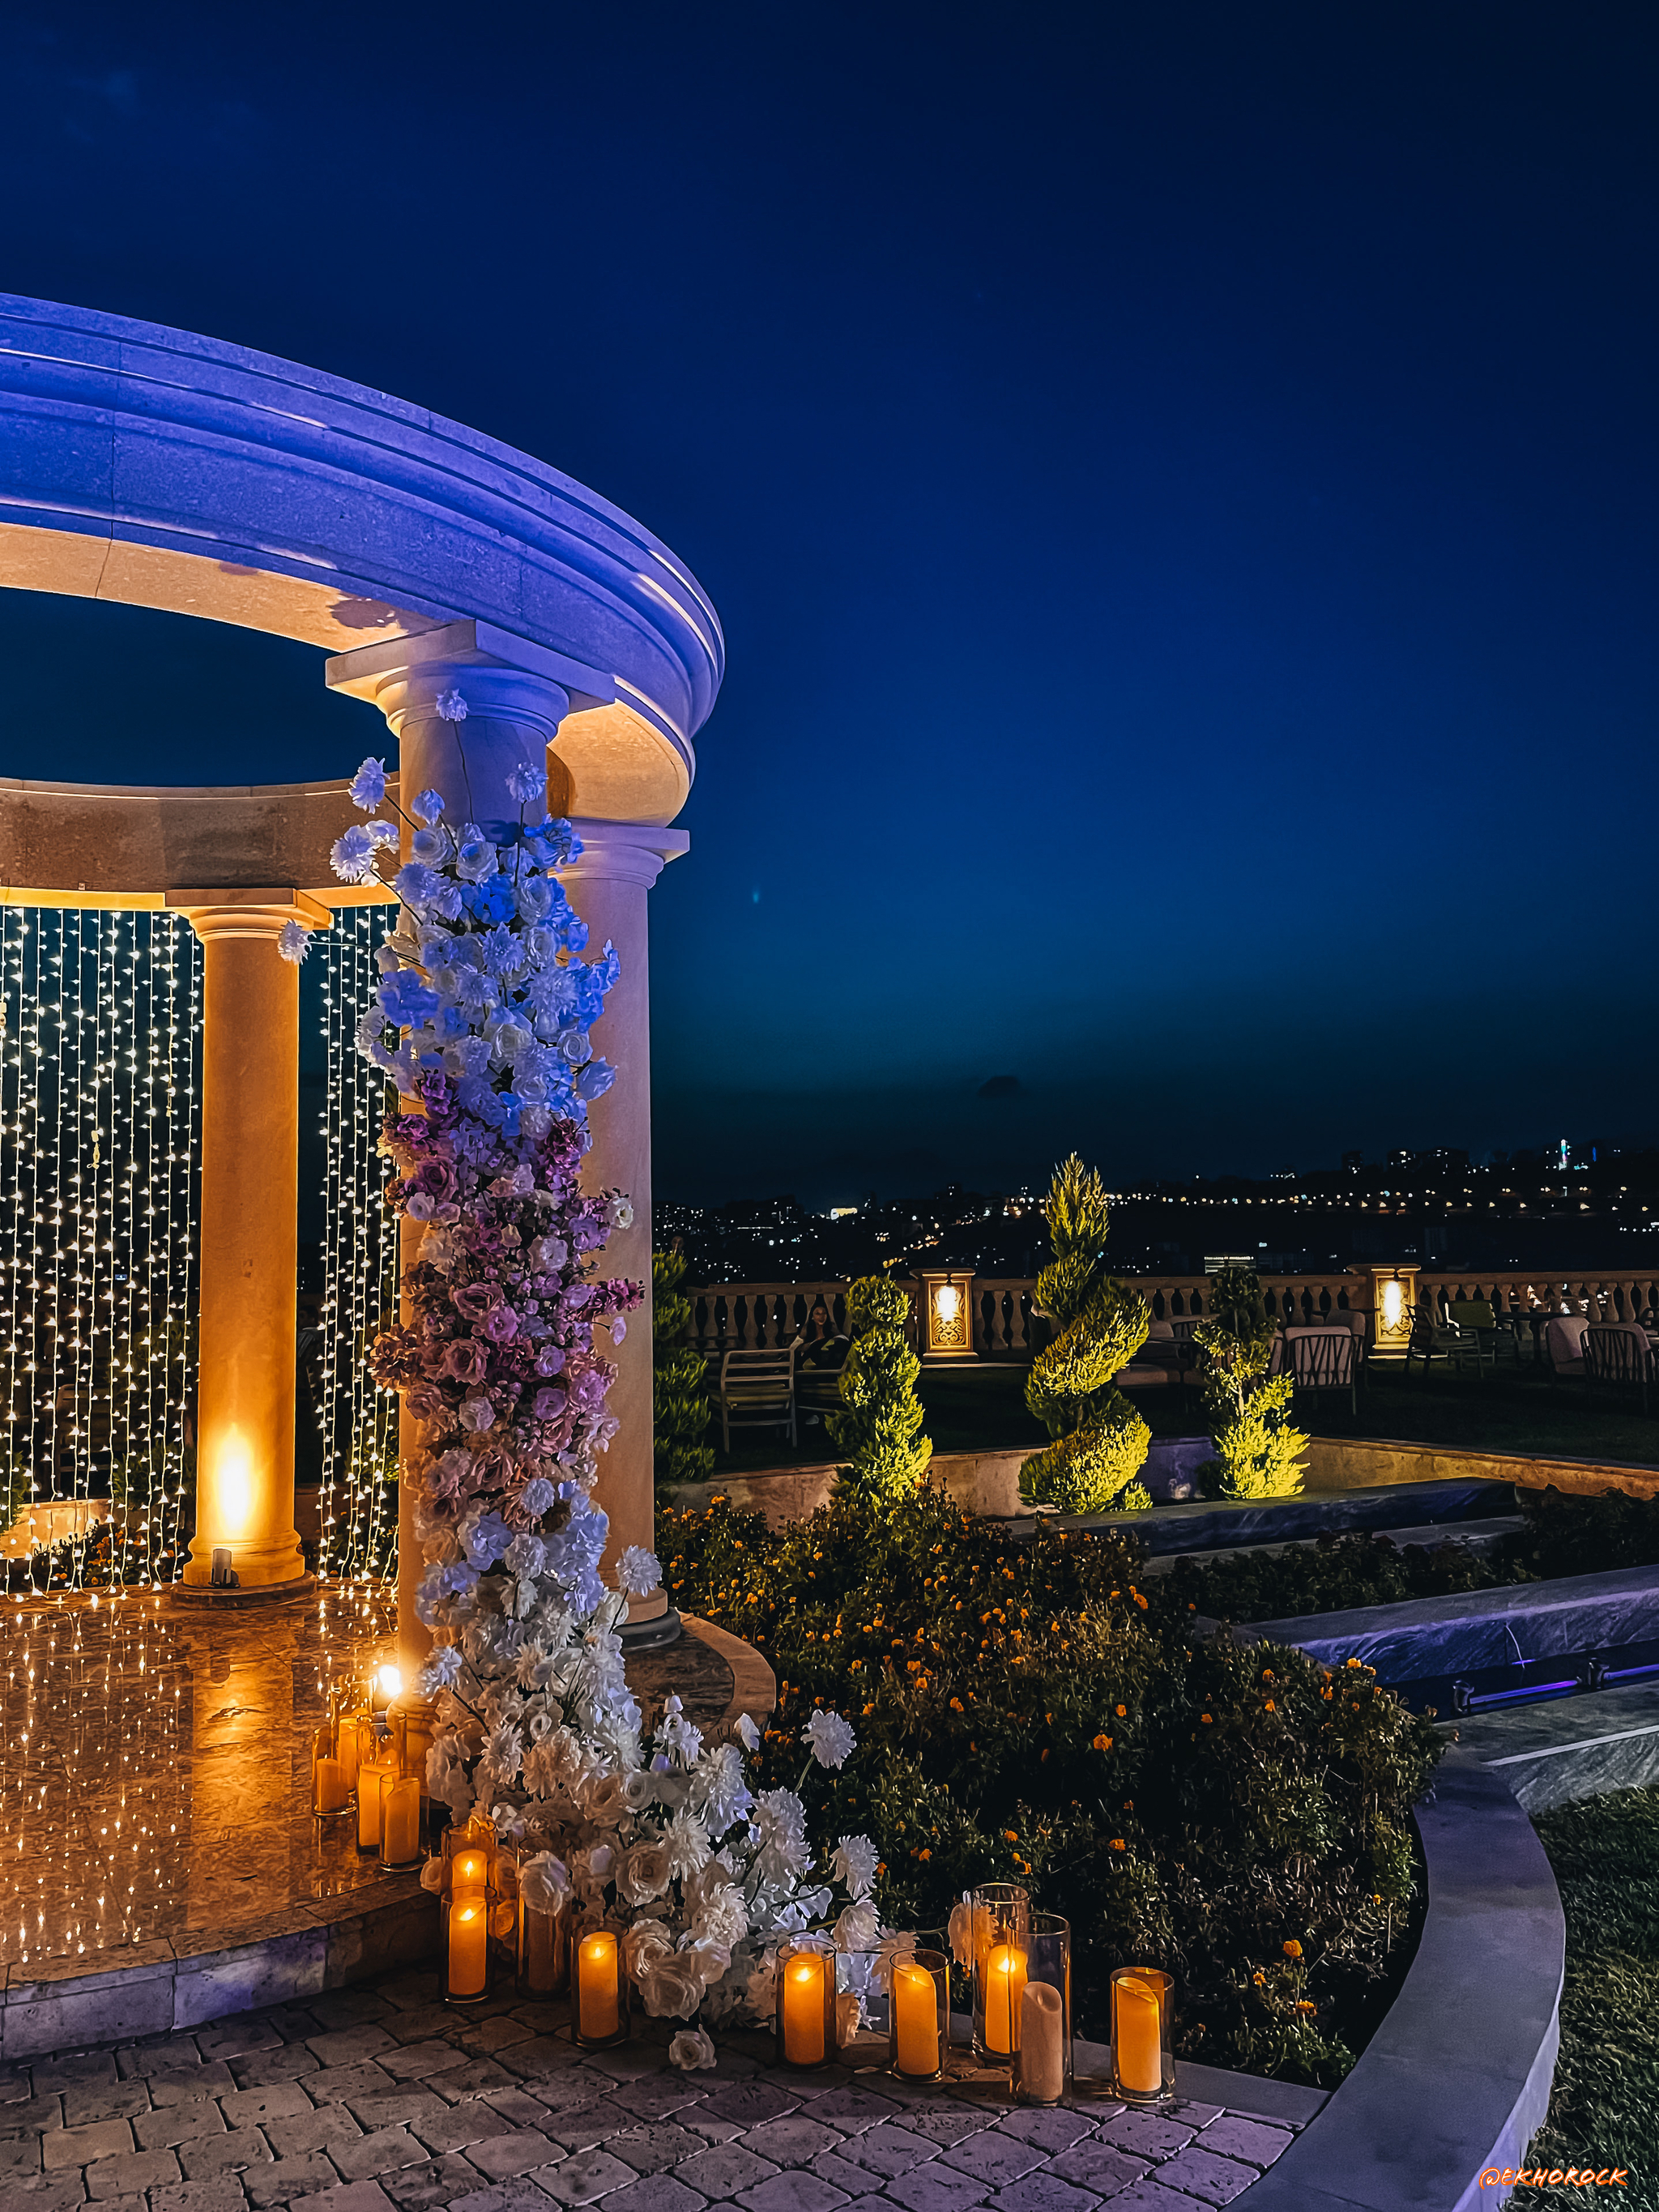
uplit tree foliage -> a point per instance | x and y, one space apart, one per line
1100 1441
1258 1451
876 1430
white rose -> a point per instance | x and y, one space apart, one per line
605 1801
643 1873
691 2050
672 1987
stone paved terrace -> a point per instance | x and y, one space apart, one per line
379 2099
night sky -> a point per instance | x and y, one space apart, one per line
1178 482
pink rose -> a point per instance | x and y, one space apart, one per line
474 1300
425 1402
466 1360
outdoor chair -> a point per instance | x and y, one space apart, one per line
1564 1340
758 1391
1431 1341
1183 1325
1324 1358
1617 1352
818 1390
1497 1332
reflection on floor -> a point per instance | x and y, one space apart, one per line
154 1763
155 1760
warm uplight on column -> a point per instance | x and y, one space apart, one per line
248 1234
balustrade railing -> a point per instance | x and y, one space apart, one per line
756 1316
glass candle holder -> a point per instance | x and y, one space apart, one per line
861 2006
919 2016
330 1793
543 1950
1001 1910
1041 2071
464 1954
600 2013
1143 2064
806 2002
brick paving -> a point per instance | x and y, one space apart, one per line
379 2100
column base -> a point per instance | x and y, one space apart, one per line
649 1635
209 1596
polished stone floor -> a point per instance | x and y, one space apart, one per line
154 1764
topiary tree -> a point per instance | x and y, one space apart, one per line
1258 1452
1100 1441
876 1432
680 1398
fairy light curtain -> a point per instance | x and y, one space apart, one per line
99 1099
358 1424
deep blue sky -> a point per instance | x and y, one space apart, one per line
1179 484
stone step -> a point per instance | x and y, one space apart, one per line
1571 1748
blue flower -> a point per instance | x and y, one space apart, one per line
416 884
407 999
368 787
526 783
595 1079
352 856
427 807
294 942
452 708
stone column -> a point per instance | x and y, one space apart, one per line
249 1233
607 886
514 703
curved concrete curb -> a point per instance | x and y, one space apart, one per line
1457 2077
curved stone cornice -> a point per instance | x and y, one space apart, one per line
159 469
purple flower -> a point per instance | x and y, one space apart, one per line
466 1360
549 1405
472 1301
550 1360
500 1324
425 1402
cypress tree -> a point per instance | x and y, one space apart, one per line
876 1432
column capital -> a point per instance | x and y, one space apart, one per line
501 678
262 912
624 852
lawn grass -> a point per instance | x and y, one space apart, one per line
981 1406
1604 2109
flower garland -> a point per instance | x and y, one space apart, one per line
483 1015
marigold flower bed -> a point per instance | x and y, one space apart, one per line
1028 1712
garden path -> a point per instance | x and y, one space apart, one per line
379 2099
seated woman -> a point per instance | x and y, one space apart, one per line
822 1344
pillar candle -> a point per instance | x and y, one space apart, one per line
469 1869
348 1741
400 1819
468 1933
1041 2043
599 1999
1004 1981
368 1804
916 2016
804 2009
328 1785
1137 2034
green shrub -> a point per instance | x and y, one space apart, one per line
1026 1713
1100 1441
876 1430
1257 1450
1331 1576
679 1392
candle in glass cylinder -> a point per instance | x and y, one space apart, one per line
468 1933
1042 2057
804 2009
400 1819
370 1773
1137 2034
347 1746
329 1792
916 2016
469 1868
599 2014
1005 1984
